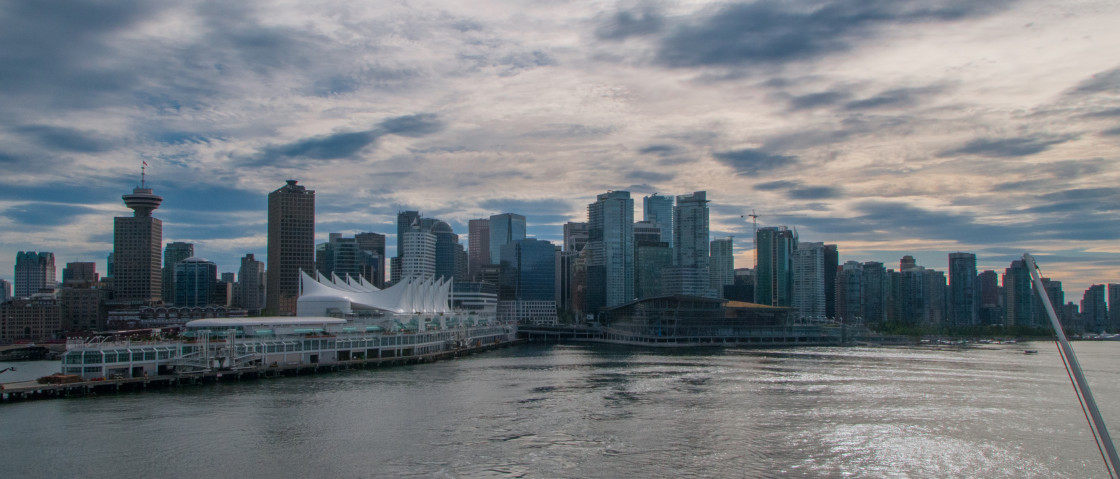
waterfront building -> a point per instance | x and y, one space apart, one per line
150 317
34 272
691 271
774 269
528 271
721 264
252 286
652 259
79 274
1113 305
1094 313
658 210
610 262
743 288
808 298
137 275
478 252
373 267
937 296
875 289
195 281
418 255
849 291
447 245
504 229
575 236
1057 298
81 307
991 311
1071 317
1018 295
907 304
475 297
831 267
173 253
291 244
406 221
35 318
346 257
964 308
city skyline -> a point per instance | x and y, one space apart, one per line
889 129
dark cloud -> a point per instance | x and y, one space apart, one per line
347 145
45 214
72 193
776 185
67 139
816 100
1006 147
753 161
181 197
896 98
661 150
1103 82
1107 113
1083 194
1112 132
626 24
815 193
774 32
649 176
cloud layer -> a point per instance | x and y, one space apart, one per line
888 127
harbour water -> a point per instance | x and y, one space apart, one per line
596 411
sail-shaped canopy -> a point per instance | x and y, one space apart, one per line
416 295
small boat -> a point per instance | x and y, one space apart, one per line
1031 351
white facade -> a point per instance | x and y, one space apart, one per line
808 280
722 264
418 257
323 296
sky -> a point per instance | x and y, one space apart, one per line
888 127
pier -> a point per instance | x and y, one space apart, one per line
32 390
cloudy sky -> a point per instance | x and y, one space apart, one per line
889 127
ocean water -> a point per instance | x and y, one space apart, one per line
597 411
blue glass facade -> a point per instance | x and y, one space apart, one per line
528 271
504 229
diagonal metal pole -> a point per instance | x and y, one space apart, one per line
1082 386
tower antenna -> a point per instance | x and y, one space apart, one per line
143 165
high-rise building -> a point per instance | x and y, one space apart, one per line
373 264
691 270
79 274
1113 305
964 307
528 270
875 288
774 271
418 254
137 276
575 236
195 281
831 267
646 232
447 244
722 264
1056 296
5 290
907 298
658 210
610 263
990 298
291 244
1094 313
35 271
849 289
652 259
808 280
252 290
478 242
937 294
343 257
1018 298
173 253
504 229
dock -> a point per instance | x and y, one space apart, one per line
33 390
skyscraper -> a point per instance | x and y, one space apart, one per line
691 272
1113 305
610 243
373 265
504 229
774 271
195 280
989 294
173 253
79 274
964 308
575 236
291 244
34 271
447 245
1094 313
849 290
875 286
808 280
831 267
658 210
722 264
478 242
252 277
137 276
1018 299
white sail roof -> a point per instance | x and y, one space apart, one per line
414 295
